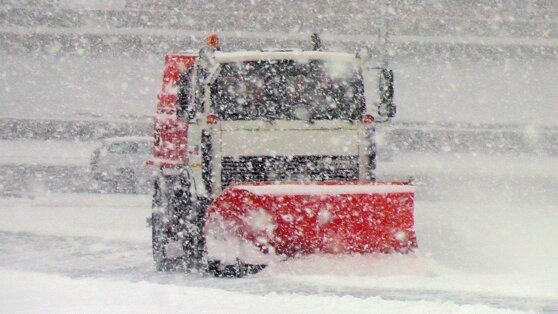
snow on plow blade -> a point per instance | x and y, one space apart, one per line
288 219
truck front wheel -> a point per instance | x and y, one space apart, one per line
159 230
159 241
176 225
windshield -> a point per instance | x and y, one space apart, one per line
288 90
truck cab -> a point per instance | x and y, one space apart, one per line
270 116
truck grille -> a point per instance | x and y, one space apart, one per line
273 168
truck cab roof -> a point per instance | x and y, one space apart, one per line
243 56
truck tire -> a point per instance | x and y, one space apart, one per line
159 232
159 241
177 224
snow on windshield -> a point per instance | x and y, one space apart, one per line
287 89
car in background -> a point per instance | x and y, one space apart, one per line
119 164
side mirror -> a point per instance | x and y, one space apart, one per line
386 107
185 103
183 95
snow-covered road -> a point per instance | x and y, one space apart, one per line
474 258
108 296
486 226
86 260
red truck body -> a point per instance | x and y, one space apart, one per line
170 133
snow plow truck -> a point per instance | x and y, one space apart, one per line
267 155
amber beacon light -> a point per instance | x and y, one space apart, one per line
213 41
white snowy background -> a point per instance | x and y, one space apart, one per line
486 218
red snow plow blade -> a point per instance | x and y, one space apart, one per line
326 217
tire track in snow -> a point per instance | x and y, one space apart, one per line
81 257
